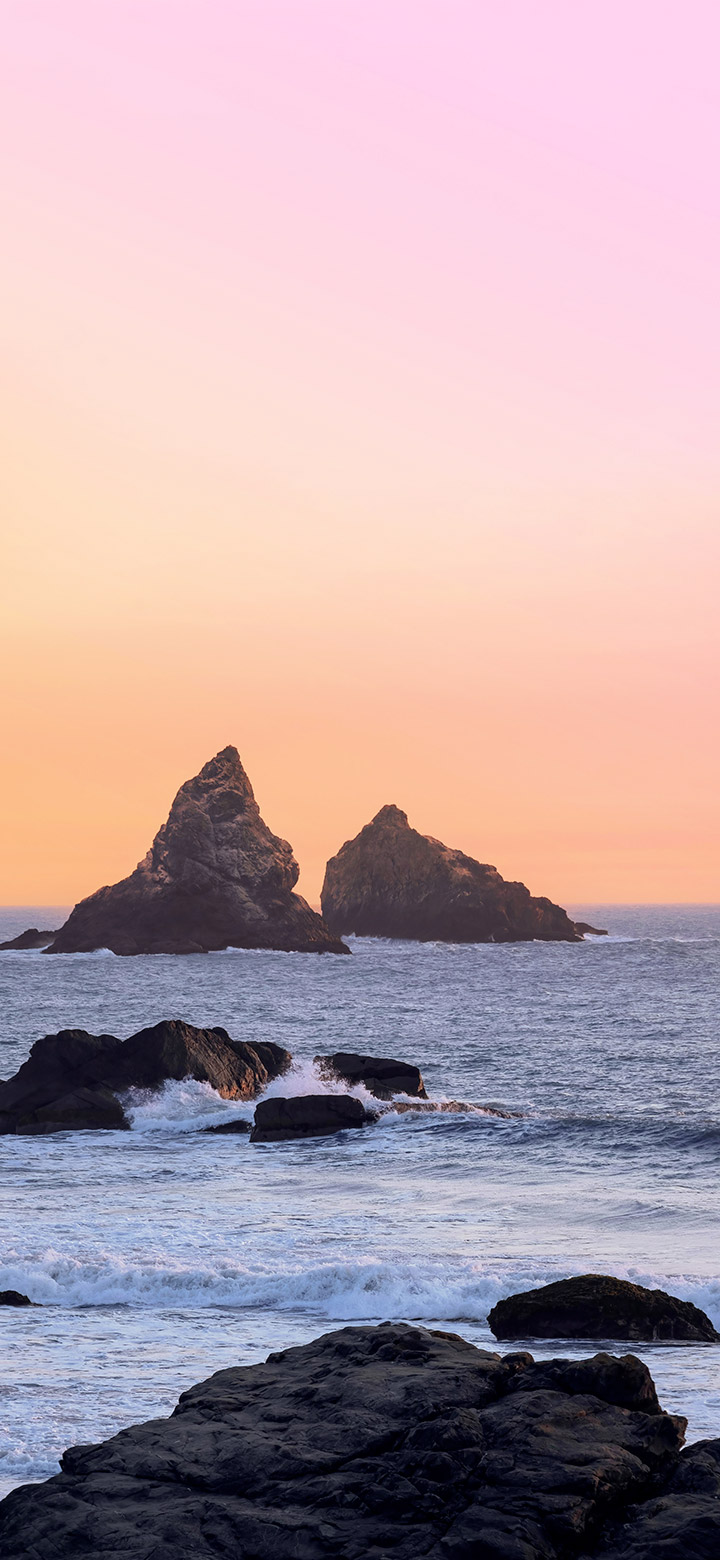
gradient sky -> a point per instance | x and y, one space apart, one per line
361 392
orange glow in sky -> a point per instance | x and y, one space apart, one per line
360 386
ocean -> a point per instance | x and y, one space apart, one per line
162 1254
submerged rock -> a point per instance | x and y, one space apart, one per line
307 1115
378 1441
391 881
71 1080
235 1126
215 877
598 1306
32 938
379 1074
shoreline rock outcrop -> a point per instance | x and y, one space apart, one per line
215 877
596 1305
380 1075
390 1440
283 1119
71 1080
391 881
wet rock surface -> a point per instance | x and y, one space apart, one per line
380 1075
32 938
13 1297
307 1115
390 1440
599 1306
71 1080
215 877
391 881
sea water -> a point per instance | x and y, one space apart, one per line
162 1254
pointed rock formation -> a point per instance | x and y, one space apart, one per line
214 877
391 881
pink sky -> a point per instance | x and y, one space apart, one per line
361 377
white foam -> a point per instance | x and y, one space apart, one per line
185 1106
367 1288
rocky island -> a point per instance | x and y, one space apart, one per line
390 1440
391 881
214 877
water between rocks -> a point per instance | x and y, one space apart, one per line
163 1254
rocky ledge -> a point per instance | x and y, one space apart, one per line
214 877
596 1305
391 881
390 1440
72 1079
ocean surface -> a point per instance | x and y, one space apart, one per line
162 1254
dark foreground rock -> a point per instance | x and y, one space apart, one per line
32 938
598 1306
13 1297
72 1079
307 1115
215 877
391 881
385 1441
380 1075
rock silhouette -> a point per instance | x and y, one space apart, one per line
379 1074
599 1306
391 881
215 877
32 938
389 1440
71 1080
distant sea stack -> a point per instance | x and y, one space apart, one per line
215 877
391 881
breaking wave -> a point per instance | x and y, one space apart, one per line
367 1289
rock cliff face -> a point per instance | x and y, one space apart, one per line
390 1440
391 881
214 877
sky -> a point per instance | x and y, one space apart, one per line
360 380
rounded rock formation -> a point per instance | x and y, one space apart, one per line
599 1306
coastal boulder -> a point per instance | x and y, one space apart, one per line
13 1297
391 881
379 1074
214 877
71 1080
306 1115
598 1306
375 1441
